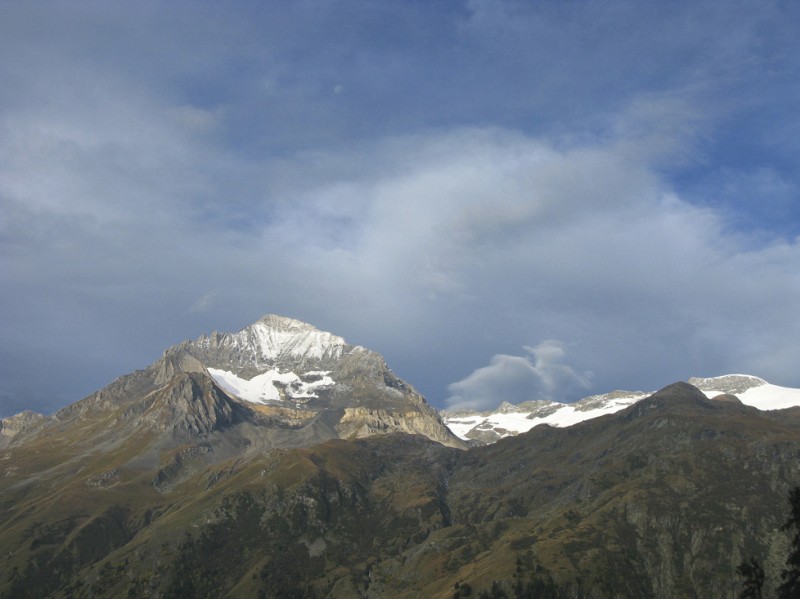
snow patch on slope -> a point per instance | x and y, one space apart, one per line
764 397
267 387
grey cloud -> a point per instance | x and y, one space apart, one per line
584 244
465 248
433 219
541 374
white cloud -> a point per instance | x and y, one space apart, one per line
540 374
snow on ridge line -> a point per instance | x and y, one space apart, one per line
514 423
764 397
262 388
272 338
273 342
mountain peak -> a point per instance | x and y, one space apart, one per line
270 341
283 323
680 390
277 382
277 336
729 383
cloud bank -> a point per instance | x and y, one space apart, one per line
475 179
459 245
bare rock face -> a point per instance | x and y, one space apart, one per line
360 422
731 383
192 405
174 363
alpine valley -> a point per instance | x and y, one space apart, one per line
281 461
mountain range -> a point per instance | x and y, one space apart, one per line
281 461
510 419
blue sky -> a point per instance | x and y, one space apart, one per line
509 200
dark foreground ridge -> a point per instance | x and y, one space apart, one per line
663 499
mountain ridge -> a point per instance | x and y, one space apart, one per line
509 419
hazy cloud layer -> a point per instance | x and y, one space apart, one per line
444 184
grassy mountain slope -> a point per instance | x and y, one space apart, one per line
663 499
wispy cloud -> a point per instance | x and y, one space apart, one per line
540 374
204 303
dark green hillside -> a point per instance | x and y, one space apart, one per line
664 499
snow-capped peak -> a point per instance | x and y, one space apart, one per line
751 391
729 383
273 359
276 336
270 340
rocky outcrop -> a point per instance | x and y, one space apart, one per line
730 383
360 422
174 363
191 405
20 426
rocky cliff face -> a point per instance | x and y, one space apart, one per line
20 426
